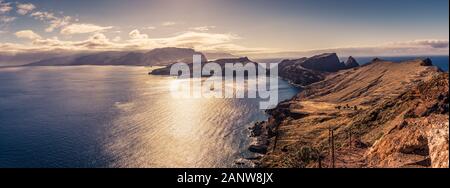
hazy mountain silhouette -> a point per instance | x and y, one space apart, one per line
155 57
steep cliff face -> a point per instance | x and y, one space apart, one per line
328 62
293 71
382 114
305 71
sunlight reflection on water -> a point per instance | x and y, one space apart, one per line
90 116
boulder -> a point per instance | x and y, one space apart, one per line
426 62
262 149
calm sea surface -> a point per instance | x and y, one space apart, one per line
113 116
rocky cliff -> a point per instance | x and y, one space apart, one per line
305 71
383 114
351 63
328 62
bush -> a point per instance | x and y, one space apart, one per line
301 157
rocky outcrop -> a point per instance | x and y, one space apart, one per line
328 62
376 59
155 57
305 71
396 114
427 62
293 71
351 63
417 137
438 145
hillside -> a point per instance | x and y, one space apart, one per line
382 114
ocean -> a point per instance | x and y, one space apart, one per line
117 116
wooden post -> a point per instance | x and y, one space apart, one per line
320 161
329 144
332 148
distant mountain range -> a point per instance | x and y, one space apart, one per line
155 57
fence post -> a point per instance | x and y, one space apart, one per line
329 144
332 148
319 158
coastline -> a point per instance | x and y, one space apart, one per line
284 122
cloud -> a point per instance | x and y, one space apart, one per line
137 41
7 19
117 39
211 42
82 28
25 8
27 34
55 22
424 43
96 41
58 23
150 28
168 24
198 39
136 34
43 15
236 49
402 48
5 7
195 38
203 28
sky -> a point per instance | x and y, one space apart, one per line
242 27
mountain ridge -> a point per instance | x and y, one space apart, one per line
155 57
